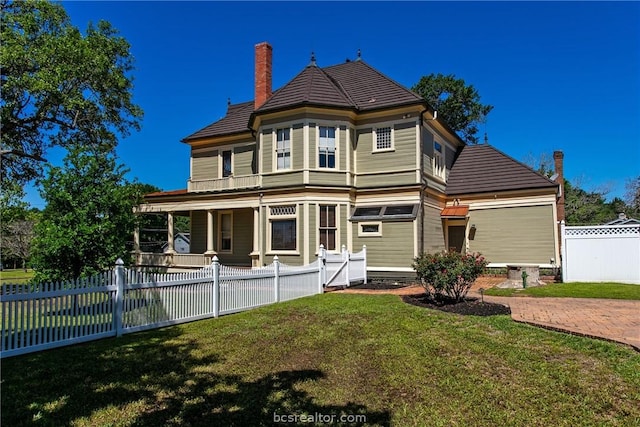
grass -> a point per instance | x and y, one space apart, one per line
15 276
330 354
574 290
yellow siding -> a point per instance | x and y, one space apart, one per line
377 180
327 178
402 157
243 158
433 231
297 147
267 151
514 235
198 235
282 179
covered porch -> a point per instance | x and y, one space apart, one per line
230 233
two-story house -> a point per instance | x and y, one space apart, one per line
343 155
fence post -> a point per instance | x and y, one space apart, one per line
276 279
322 269
346 258
364 254
118 314
215 264
563 254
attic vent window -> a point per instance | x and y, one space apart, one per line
383 139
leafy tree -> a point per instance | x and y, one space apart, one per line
456 102
59 87
88 219
17 240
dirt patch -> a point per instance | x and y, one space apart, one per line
470 306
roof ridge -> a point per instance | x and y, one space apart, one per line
341 88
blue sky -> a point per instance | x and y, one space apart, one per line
560 75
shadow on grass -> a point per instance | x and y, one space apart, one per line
153 379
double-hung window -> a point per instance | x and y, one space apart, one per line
283 149
327 147
328 227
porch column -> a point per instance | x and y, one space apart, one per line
170 234
210 249
136 239
255 253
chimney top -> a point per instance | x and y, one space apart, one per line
264 55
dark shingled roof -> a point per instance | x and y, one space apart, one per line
235 121
352 85
483 169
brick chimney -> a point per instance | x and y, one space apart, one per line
264 53
558 157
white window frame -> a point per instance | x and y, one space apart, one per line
362 233
335 146
220 214
221 164
276 150
376 148
438 162
284 216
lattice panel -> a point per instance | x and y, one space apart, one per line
603 231
283 210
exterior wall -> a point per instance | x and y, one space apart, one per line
266 151
283 179
198 233
433 230
327 178
204 164
514 234
297 147
243 160
402 157
393 249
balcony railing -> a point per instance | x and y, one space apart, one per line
221 184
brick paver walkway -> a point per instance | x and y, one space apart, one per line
609 319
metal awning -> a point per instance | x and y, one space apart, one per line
460 211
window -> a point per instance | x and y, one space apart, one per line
370 229
399 210
283 149
226 164
383 139
438 160
328 227
385 213
283 228
368 211
226 231
327 147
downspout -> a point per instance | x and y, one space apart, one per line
423 182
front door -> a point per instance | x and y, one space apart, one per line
456 238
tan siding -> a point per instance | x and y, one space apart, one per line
282 179
393 249
313 231
433 231
344 216
297 147
511 235
313 146
327 178
242 236
204 165
243 159
342 149
198 232
402 157
267 150
401 178
427 152
352 155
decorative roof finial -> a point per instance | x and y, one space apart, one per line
359 55
228 102
313 59
486 138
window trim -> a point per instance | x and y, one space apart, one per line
271 217
374 148
439 157
275 149
336 228
336 139
362 233
219 239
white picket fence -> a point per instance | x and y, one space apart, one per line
45 316
606 253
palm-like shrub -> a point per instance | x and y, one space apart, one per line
448 274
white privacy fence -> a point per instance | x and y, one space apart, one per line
44 316
606 253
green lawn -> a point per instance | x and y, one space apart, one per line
15 276
574 290
330 354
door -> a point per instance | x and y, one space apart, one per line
456 238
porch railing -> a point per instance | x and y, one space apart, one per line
220 184
173 260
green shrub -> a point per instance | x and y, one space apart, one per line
448 273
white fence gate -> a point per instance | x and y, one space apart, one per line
605 253
44 316
345 268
